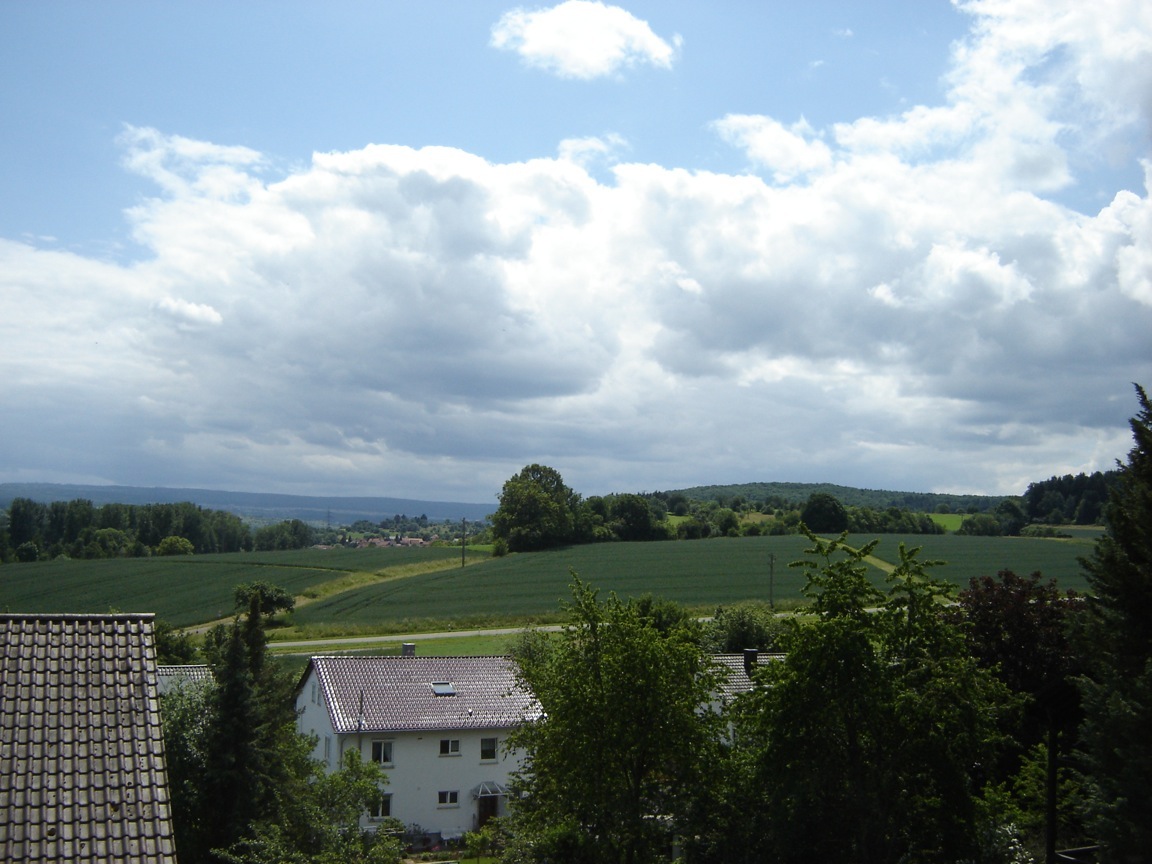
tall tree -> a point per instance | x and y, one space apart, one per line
1117 690
824 514
621 746
537 511
873 722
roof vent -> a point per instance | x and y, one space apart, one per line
407 649
443 688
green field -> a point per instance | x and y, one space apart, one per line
390 590
189 590
699 574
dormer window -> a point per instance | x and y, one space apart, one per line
443 688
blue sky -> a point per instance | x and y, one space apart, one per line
406 248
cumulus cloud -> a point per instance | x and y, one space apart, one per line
582 39
891 303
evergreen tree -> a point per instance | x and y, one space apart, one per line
1117 691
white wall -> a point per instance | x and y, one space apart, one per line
418 772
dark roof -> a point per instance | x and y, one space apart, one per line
737 680
81 753
398 694
171 677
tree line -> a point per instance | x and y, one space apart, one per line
32 530
538 510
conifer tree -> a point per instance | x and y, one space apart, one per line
1117 692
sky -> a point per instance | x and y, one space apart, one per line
406 249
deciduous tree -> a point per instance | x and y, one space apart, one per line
619 753
537 511
872 723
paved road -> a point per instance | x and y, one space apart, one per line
311 644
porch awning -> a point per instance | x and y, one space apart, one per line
489 789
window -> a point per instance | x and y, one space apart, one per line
382 752
449 799
449 746
327 748
382 809
443 688
487 748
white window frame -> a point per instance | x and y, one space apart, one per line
449 746
495 749
382 809
448 798
387 748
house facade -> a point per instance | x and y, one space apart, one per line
438 727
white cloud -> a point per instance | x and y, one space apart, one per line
788 152
897 305
582 39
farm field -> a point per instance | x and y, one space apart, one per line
189 590
401 593
700 574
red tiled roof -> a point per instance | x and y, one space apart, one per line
398 694
81 752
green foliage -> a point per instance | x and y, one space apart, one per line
1117 690
244 785
794 494
80 530
537 511
872 723
824 514
173 648
616 759
746 625
173 545
292 534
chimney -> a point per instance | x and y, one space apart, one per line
407 649
750 655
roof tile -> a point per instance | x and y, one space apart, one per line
77 702
397 695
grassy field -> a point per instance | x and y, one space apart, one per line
191 590
700 574
410 590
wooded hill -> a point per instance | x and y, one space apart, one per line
849 496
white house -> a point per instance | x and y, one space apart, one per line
437 725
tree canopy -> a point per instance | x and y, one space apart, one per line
537 511
617 757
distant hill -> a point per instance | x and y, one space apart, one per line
849 496
254 506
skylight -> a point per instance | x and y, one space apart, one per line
443 688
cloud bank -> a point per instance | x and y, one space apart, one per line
896 302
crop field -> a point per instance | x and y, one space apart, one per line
187 590
700 574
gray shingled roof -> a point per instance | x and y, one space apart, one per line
737 680
171 677
82 774
398 694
